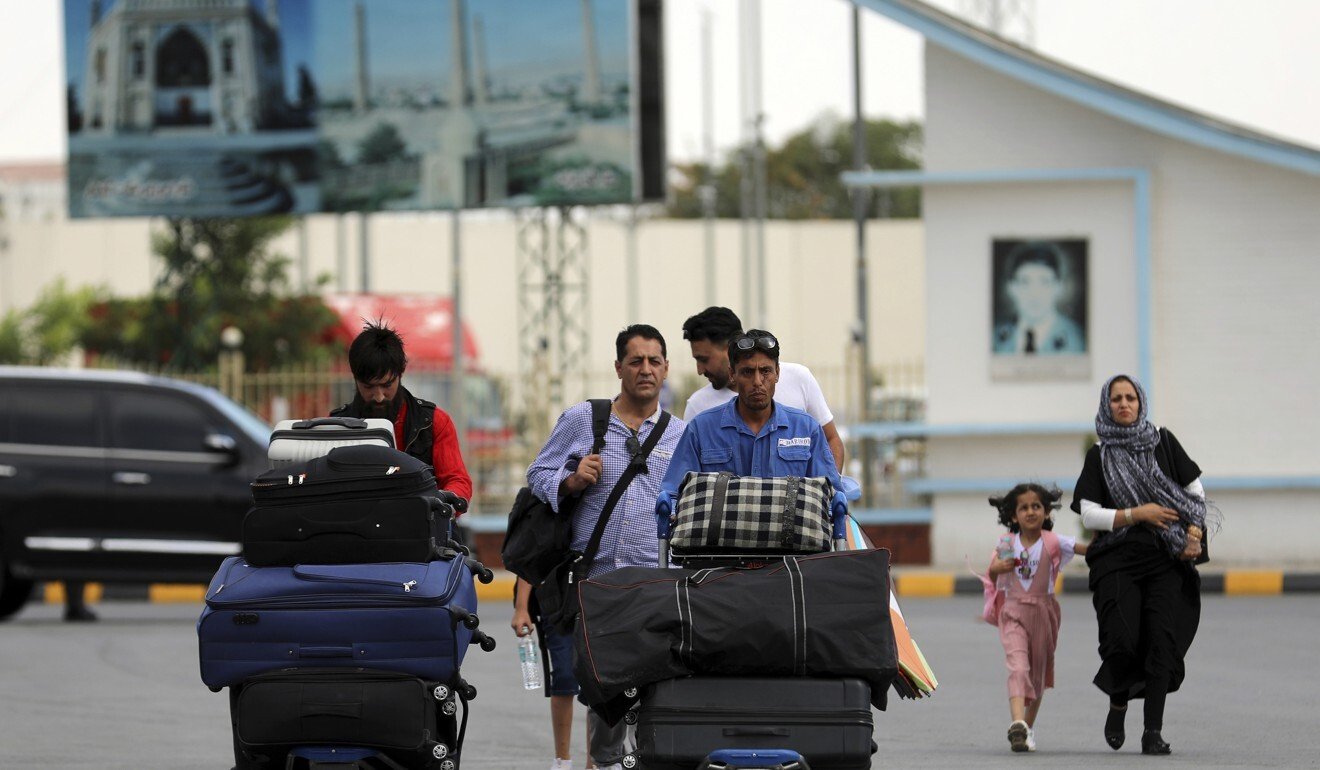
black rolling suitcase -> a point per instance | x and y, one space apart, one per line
828 721
387 719
357 504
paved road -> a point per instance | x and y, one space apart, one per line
125 693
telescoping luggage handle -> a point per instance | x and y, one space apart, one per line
664 520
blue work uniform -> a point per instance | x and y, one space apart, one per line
791 443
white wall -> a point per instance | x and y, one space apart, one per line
810 294
1235 263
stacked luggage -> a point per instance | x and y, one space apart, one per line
341 629
764 648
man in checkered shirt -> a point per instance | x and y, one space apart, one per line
565 467
752 435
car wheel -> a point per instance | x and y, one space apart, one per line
14 592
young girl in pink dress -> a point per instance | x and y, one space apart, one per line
1026 563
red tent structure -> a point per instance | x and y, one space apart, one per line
425 321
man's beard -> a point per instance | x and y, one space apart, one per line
385 410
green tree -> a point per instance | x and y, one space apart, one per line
803 174
382 145
51 328
216 273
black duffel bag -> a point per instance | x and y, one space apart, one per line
820 615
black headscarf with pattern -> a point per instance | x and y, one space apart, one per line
1127 457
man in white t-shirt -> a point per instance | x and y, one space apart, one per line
709 332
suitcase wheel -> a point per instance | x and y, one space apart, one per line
441 692
472 621
486 641
448 764
630 717
485 575
439 751
629 761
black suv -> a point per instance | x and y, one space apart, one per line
119 477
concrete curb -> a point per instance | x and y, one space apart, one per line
907 583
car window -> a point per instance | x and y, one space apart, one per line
162 422
42 413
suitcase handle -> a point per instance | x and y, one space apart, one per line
734 732
325 652
342 422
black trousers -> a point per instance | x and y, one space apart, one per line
1148 607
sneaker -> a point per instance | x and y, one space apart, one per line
1031 739
1017 735
562 764
615 766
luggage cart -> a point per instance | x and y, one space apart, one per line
768 729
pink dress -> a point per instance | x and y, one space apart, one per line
1029 630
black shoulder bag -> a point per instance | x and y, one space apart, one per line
557 596
537 539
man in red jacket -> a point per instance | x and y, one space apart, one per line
421 428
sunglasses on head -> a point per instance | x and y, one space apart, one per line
747 343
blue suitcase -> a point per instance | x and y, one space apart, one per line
413 618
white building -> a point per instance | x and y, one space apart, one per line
1203 260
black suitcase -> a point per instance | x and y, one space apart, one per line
828 721
356 504
409 721
416 528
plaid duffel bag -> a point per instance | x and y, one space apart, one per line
723 513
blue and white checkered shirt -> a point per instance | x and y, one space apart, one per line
630 536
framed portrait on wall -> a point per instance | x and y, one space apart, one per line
1039 326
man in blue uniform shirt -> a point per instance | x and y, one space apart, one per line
752 435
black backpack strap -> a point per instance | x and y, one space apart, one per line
600 423
593 545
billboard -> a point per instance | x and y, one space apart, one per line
221 108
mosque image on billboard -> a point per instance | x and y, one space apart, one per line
180 107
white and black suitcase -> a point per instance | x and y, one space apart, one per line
295 441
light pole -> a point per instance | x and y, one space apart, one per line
231 363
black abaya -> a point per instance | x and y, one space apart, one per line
1147 602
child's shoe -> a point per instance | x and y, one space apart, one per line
562 764
1017 735
1031 739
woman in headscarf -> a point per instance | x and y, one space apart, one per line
1141 495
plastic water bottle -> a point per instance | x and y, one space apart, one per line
529 655
1005 548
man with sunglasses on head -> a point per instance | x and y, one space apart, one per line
566 467
752 435
709 333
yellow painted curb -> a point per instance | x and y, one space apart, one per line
500 589
176 593
1248 582
930 584
54 593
